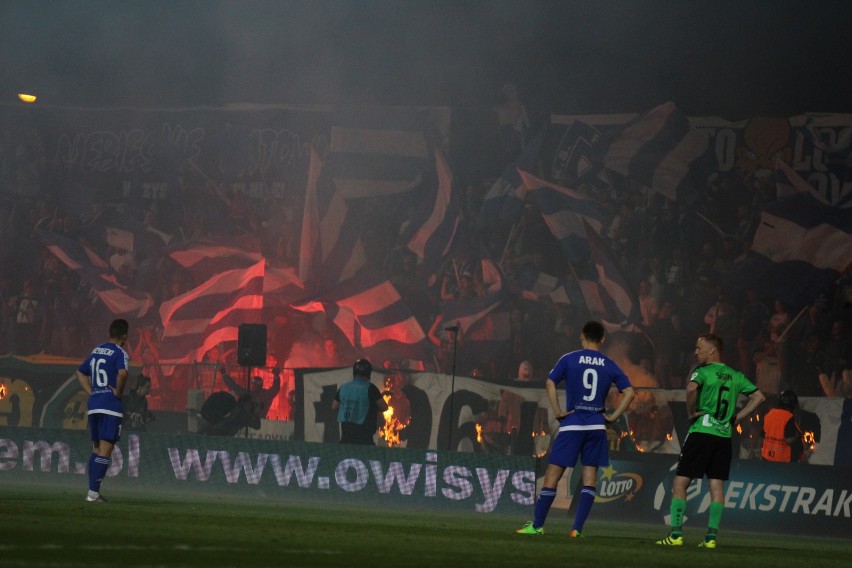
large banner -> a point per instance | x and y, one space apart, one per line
737 155
143 158
149 157
759 496
274 469
427 416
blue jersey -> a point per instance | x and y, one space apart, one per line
102 368
588 376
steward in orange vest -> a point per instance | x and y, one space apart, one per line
782 439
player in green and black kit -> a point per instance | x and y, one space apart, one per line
711 402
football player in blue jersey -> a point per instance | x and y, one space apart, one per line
588 375
103 375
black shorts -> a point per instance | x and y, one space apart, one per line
705 454
351 433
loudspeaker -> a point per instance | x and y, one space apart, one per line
251 345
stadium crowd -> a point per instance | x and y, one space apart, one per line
680 260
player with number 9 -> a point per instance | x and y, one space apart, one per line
588 375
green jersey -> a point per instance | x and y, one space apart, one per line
719 387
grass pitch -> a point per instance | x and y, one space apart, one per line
50 526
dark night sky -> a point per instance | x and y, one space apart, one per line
728 58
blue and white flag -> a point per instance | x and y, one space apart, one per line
484 323
799 249
120 300
832 157
330 249
566 212
660 150
375 161
619 299
539 285
788 182
373 316
437 230
577 161
206 258
211 313
373 155
504 202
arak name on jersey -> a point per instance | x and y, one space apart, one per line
588 360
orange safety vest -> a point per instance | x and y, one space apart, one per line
775 446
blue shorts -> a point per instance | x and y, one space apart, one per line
105 427
590 446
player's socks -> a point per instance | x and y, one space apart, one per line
677 509
542 505
714 519
98 467
675 537
93 485
584 507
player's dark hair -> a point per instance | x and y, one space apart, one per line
362 368
118 328
594 331
714 340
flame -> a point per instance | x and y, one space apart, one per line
543 452
809 440
669 437
479 432
390 431
2 391
739 428
27 98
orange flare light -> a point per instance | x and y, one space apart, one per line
390 431
27 98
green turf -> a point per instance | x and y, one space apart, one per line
49 526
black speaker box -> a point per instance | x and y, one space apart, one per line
251 345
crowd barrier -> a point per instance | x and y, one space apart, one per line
430 412
274 469
763 497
